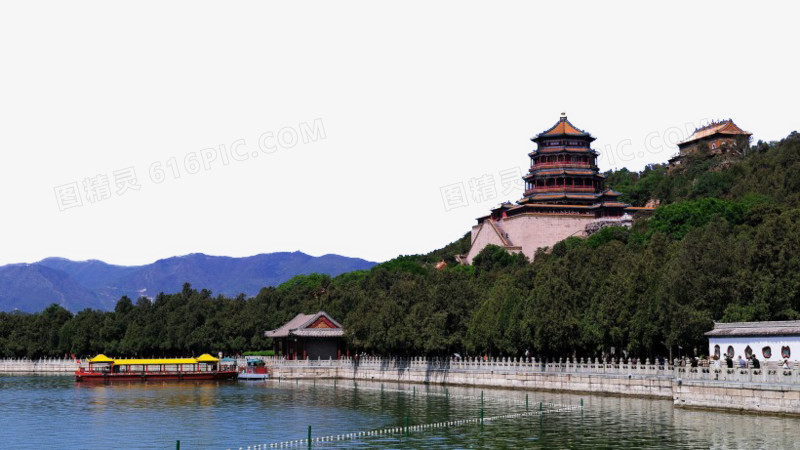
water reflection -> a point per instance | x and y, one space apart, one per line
57 412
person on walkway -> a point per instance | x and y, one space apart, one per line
786 364
742 363
728 361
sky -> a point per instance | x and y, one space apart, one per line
135 131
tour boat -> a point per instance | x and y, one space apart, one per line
255 369
204 367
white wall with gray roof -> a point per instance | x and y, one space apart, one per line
775 336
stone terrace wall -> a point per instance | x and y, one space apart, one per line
752 397
645 380
771 389
530 231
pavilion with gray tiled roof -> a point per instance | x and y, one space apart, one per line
774 328
309 336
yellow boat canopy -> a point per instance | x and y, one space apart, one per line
101 358
204 358
136 362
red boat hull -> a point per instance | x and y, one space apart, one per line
154 376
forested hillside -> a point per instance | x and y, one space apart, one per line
724 245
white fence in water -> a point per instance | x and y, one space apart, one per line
399 431
469 411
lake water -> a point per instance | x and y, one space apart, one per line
56 412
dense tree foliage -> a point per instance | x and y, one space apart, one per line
724 245
770 170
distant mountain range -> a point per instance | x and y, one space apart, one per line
76 285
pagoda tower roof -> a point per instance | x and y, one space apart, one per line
563 128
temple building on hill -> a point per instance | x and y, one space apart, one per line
564 196
716 138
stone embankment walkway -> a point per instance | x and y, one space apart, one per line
769 389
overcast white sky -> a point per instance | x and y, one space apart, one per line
344 123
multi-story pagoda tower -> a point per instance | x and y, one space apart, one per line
564 177
563 167
564 196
